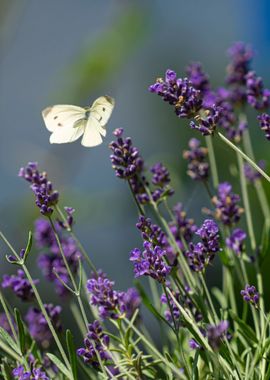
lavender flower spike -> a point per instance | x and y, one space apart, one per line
264 120
180 93
235 241
20 285
250 295
46 196
216 334
38 326
226 202
198 168
150 262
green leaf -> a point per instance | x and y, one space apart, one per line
7 338
72 354
20 330
245 330
6 371
29 246
220 297
59 365
148 304
264 246
195 373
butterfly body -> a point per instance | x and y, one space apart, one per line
68 123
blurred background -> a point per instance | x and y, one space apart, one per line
74 51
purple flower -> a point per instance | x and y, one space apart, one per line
250 295
201 254
182 299
228 120
69 219
128 164
241 56
198 168
226 203
34 374
193 344
180 93
132 301
197 76
37 324
264 120
95 342
257 96
207 121
216 334
111 303
161 179
251 174
126 159
150 262
46 196
51 261
20 285
236 241
4 323
151 232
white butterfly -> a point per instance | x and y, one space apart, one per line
67 123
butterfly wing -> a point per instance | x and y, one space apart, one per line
92 133
100 113
66 122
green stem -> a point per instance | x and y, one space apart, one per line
249 160
79 244
77 293
212 159
11 325
209 299
246 202
140 208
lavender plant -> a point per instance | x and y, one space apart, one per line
206 333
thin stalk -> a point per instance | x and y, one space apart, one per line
9 351
79 244
243 183
11 325
168 364
248 159
212 159
209 299
140 208
40 303
258 185
77 293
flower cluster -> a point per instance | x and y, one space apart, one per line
182 299
207 120
96 342
180 93
46 196
19 285
151 232
226 204
50 260
236 241
264 120
257 96
240 55
111 303
38 326
197 77
216 334
199 255
250 295
198 168
251 174
128 164
150 262
161 179
20 373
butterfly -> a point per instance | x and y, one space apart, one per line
68 123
